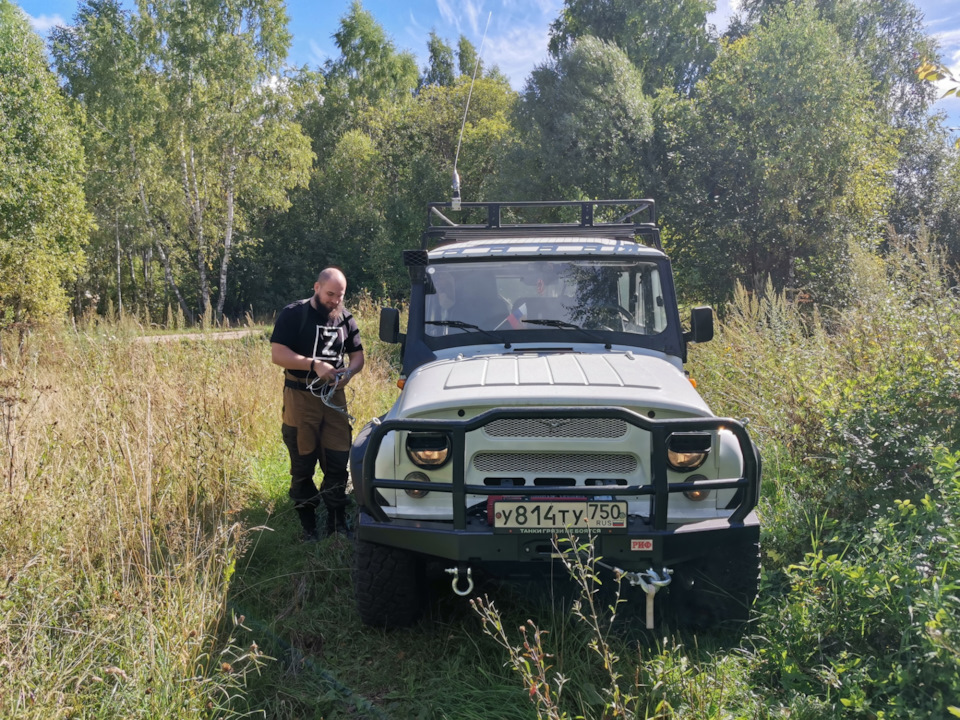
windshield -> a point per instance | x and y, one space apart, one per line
622 295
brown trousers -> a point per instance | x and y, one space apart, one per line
316 433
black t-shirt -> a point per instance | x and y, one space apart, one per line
315 334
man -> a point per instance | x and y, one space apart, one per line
310 339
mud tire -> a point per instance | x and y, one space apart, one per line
717 592
388 585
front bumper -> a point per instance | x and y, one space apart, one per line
639 547
647 540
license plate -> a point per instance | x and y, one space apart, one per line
537 516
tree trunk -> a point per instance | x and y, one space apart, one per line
147 259
167 270
168 273
116 227
227 236
133 276
191 194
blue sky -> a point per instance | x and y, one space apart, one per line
516 39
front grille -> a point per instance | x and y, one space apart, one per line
567 463
593 428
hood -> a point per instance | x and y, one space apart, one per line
635 381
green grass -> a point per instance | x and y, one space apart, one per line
149 563
298 601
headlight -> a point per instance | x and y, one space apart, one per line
696 495
688 451
428 450
417 477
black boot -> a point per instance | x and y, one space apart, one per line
340 521
305 498
308 521
337 522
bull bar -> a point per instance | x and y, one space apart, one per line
660 488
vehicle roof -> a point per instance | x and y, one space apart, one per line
504 246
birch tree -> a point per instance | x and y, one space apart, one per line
196 95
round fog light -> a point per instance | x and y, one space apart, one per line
417 477
696 494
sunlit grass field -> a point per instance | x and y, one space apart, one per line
129 473
150 568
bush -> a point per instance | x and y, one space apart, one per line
846 405
870 624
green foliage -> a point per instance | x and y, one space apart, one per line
887 37
776 163
848 407
869 624
582 123
369 69
467 58
191 130
44 222
440 69
367 198
669 41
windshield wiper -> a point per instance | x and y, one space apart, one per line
563 324
461 325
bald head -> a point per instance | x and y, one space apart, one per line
329 290
332 273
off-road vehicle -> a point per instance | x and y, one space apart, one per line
544 395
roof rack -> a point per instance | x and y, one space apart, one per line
626 226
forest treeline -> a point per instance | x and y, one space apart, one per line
167 158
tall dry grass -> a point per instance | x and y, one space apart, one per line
124 471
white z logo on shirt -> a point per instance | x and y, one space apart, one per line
330 336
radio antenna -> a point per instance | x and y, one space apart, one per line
455 200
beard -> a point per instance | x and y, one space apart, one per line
334 314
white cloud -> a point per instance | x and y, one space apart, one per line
517 37
414 25
44 23
318 55
949 41
517 51
473 13
447 14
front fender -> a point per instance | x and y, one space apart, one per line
357 451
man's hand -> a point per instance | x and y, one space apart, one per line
343 376
325 371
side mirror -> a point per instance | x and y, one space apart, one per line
701 325
390 325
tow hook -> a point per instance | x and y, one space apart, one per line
650 582
455 571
